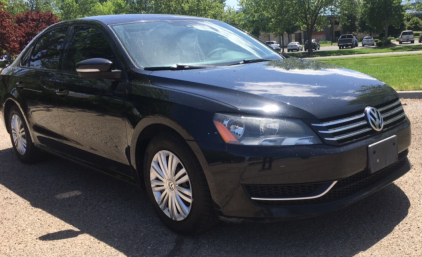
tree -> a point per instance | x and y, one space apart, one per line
282 17
40 5
412 7
29 24
256 16
414 24
17 6
348 15
309 15
8 33
200 8
381 14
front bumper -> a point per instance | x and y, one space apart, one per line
236 172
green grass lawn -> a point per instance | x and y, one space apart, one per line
326 43
359 50
402 72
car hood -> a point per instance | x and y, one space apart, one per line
321 90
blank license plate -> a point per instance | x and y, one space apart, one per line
382 153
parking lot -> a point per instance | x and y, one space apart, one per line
57 208
335 47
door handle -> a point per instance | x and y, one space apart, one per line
62 92
20 84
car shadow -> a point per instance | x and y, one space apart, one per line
120 215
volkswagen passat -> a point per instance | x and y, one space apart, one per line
209 120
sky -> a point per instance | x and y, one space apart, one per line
232 3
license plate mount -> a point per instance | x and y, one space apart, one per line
382 154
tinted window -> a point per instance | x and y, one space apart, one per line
408 33
48 50
87 43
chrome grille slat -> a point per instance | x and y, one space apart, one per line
394 119
325 124
354 125
349 135
392 112
357 126
389 106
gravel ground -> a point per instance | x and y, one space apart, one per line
57 208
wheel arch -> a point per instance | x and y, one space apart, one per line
8 104
151 126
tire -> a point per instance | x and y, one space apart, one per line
22 143
339 47
198 215
400 42
412 42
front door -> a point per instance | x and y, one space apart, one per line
92 110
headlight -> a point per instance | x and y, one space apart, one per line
264 131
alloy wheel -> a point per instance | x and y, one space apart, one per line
18 134
171 186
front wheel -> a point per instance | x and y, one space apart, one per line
176 186
23 146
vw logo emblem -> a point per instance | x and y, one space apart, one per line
374 118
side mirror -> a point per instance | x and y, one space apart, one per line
98 68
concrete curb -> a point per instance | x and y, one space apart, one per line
363 55
410 94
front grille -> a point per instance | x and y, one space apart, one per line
344 187
355 127
282 191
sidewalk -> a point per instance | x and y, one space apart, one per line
363 55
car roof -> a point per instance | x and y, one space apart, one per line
128 18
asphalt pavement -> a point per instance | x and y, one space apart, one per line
58 208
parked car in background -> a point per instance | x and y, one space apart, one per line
207 119
368 41
407 36
347 40
274 45
315 45
420 38
356 41
294 46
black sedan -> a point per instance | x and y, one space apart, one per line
315 45
210 121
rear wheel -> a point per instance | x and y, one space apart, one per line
176 186
23 146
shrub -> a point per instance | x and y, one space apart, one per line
414 24
380 43
391 38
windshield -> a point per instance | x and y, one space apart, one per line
193 42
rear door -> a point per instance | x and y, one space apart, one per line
36 79
92 110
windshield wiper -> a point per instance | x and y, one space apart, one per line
178 67
251 61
